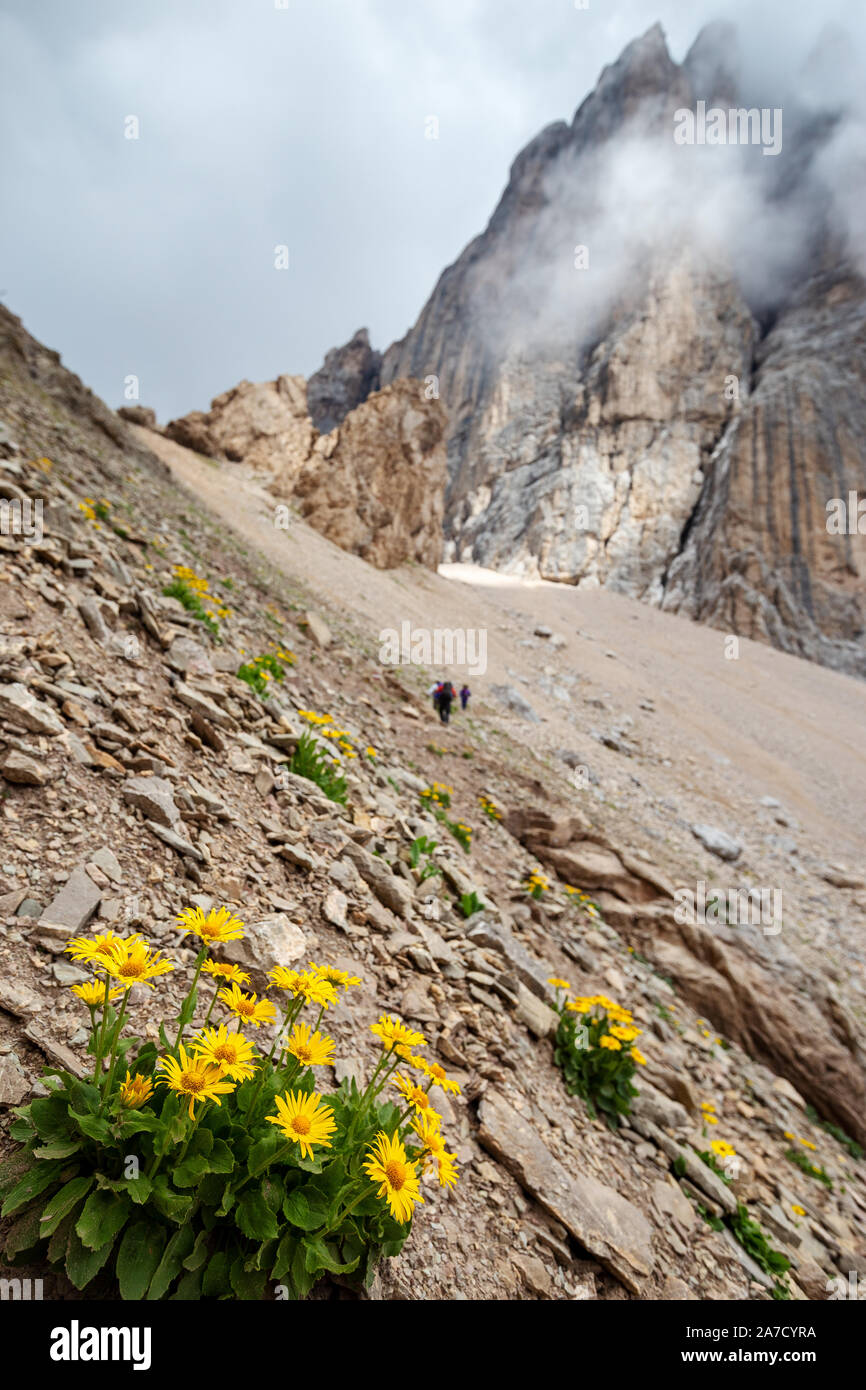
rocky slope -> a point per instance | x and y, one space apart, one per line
374 484
667 407
141 774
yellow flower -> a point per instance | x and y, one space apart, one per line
416 1097
798 1211
427 1128
93 993
707 1105
335 976
135 1090
446 1168
557 983
312 1049
305 1120
225 972
96 950
638 1057
244 1006
710 1119
625 1034
788 1134
388 1165
579 1006
612 1044
807 1144
371 752
193 1077
231 1052
436 1073
136 965
304 983
217 925
722 1148
394 1034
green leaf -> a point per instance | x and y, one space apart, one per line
191 1171
170 1265
215 1281
189 1287
220 1158
58 1148
62 1203
247 1284
36 1180
286 1251
198 1255
305 1208
138 1257
13 1169
319 1255
56 1252
92 1126
81 1263
104 1215
23 1234
174 1205
301 1278
22 1130
139 1122
254 1217
273 1191
50 1116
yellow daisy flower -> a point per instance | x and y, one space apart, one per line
638 1057
807 1144
388 1165
394 1034
446 1168
136 965
557 983
612 1044
304 983
313 1049
245 1006
135 1090
335 976
193 1077
722 1148
232 973
437 1074
305 1120
96 950
427 1128
219 924
416 1097
93 992
231 1052
798 1211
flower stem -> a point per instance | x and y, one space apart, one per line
113 1058
202 956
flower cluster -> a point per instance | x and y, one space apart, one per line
237 1153
191 590
536 884
583 900
489 808
595 1048
259 672
438 795
342 738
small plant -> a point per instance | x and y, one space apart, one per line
470 903
309 760
594 1047
489 808
437 797
461 832
422 848
536 885
719 1148
838 1134
215 1171
750 1236
259 672
193 593
584 902
812 1170
437 749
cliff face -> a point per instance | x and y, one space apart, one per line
659 399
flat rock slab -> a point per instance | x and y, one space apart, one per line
607 1225
272 941
17 767
73 906
718 842
154 797
57 1052
19 706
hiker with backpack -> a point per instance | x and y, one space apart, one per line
465 692
444 695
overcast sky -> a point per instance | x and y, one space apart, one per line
262 126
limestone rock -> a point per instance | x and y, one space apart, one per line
154 797
718 842
74 905
13 1080
22 770
347 377
20 707
266 425
602 1221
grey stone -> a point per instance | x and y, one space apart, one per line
267 943
393 892
19 706
22 770
718 842
154 797
73 906
106 860
13 1080
602 1221
513 701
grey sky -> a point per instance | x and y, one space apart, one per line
261 126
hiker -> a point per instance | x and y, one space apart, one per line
435 690
446 694
465 692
